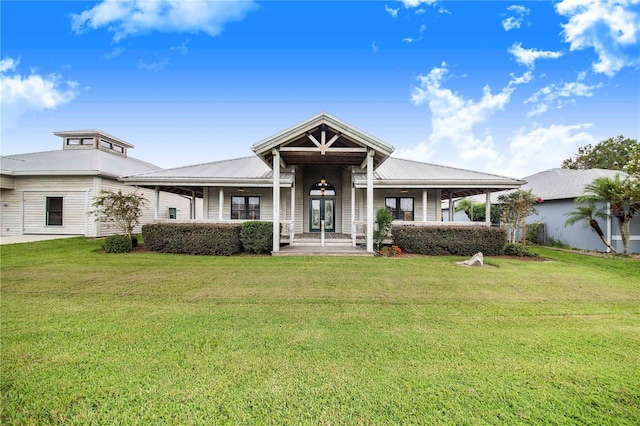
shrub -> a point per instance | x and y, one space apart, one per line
257 236
383 220
193 238
517 249
449 240
117 244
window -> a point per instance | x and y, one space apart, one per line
245 208
86 141
54 211
401 208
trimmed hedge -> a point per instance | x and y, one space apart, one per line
257 236
450 240
117 244
220 239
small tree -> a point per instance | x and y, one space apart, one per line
121 210
383 219
588 215
516 206
623 196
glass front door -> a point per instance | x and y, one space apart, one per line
322 209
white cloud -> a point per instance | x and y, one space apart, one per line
420 12
610 27
528 57
136 17
422 29
515 21
416 3
114 53
556 96
182 49
454 120
20 94
543 148
411 40
392 12
374 48
154 66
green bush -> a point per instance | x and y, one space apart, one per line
517 249
449 240
193 238
117 244
257 236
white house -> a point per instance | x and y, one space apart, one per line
52 192
322 178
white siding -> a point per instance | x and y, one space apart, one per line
266 201
166 200
74 220
10 212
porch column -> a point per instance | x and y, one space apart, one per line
156 215
276 199
370 200
353 211
192 213
293 206
438 205
451 207
609 219
220 203
487 210
205 203
424 205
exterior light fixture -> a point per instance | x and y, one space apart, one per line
241 190
404 191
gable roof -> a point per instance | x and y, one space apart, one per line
348 136
73 162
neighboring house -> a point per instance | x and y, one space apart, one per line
558 188
322 176
52 192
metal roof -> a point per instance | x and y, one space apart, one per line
73 162
559 184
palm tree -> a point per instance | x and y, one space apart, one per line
623 196
588 215
466 205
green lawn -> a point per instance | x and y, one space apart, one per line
144 338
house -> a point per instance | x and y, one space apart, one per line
52 192
558 189
322 178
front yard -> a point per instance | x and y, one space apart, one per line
145 338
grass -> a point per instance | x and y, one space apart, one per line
143 338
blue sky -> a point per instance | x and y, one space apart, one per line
500 86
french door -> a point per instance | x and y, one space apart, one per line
322 209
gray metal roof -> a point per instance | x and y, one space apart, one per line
239 170
73 162
559 184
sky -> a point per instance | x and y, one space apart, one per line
504 87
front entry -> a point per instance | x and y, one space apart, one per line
322 209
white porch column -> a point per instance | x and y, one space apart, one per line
220 204
451 207
438 205
370 200
276 199
192 211
156 214
205 202
293 206
487 210
609 236
424 205
353 211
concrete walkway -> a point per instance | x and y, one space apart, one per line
303 250
16 239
